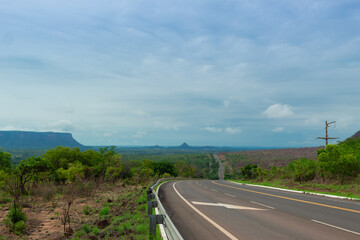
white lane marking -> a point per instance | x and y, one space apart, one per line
229 195
205 187
230 206
262 204
205 217
213 190
340 228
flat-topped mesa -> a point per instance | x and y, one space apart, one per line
36 140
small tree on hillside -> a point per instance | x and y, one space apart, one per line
5 160
338 161
28 168
303 170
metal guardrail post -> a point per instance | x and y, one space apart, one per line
155 219
151 205
162 218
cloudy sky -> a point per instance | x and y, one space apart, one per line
132 72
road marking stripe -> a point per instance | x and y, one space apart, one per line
293 199
204 216
262 204
213 190
326 224
230 206
229 195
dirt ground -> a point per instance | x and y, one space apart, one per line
44 217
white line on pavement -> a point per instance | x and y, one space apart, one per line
262 204
326 224
204 216
229 195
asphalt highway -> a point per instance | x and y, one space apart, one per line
205 209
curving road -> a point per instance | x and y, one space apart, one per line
204 209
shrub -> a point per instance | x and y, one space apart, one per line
104 211
303 170
251 171
86 210
95 231
16 215
20 227
86 228
16 220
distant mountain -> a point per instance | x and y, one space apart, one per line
184 146
356 135
36 140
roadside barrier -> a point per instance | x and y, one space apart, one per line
162 218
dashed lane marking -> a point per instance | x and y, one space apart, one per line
340 228
262 205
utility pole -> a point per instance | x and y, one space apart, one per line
327 124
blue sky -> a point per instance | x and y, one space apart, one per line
235 73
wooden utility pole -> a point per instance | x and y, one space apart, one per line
327 124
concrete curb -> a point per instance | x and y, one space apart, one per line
303 192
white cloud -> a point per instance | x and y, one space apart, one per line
279 111
313 121
228 130
13 128
139 134
233 130
140 113
202 82
278 129
213 129
63 126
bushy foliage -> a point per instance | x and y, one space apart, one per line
15 220
340 161
302 170
251 171
5 160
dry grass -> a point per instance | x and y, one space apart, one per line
268 158
44 207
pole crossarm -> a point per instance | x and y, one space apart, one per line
327 138
327 124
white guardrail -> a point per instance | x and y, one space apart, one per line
162 218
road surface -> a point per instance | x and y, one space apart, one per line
205 209
221 167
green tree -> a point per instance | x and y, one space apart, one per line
30 167
341 161
164 167
348 166
185 170
5 160
303 169
251 171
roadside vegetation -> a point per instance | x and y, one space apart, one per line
200 165
73 194
336 171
